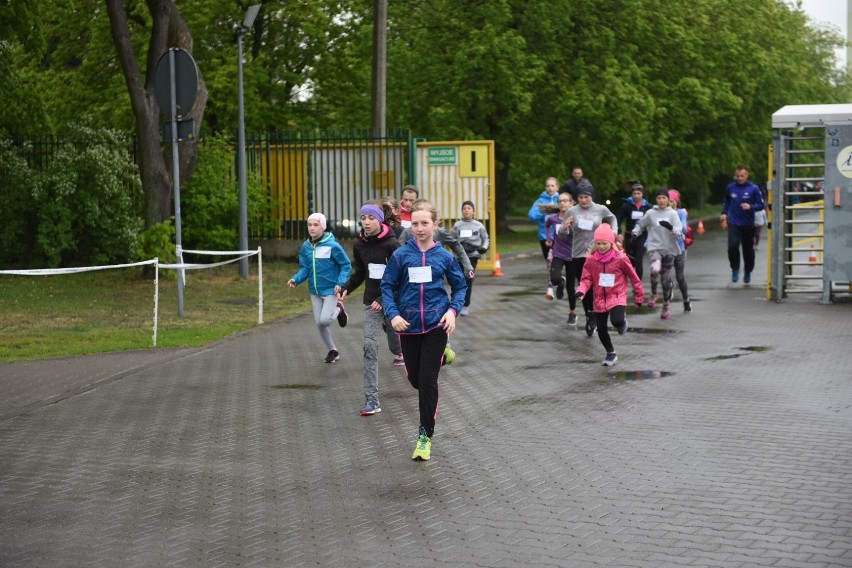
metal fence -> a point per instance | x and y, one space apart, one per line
327 171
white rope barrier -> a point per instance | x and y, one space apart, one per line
157 265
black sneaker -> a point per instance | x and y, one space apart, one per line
342 318
572 319
591 325
687 305
560 289
332 356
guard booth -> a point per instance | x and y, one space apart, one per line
810 191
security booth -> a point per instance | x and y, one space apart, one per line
810 192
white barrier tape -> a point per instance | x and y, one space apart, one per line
222 252
54 271
184 266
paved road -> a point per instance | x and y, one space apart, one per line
721 438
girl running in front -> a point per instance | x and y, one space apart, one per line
606 271
416 302
326 266
372 250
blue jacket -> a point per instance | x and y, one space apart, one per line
323 264
537 216
422 304
735 196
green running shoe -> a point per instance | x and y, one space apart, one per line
449 356
423 449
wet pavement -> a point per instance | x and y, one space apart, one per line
720 438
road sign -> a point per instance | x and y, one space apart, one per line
185 78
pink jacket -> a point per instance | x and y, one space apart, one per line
607 297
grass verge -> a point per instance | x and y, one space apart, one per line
113 310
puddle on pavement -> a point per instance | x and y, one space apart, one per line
506 296
640 375
758 348
297 387
652 330
723 357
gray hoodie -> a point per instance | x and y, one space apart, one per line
660 238
586 220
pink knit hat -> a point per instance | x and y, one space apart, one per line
674 194
318 217
604 233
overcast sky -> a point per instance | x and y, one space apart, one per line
829 12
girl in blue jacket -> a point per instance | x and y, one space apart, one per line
326 267
416 303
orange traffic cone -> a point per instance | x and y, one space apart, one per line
812 257
700 227
497 270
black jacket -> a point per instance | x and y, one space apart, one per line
370 249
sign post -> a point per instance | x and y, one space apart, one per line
175 88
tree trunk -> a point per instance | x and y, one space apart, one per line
168 27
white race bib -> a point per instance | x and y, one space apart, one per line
420 274
405 224
606 280
465 233
637 215
323 252
586 224
376 270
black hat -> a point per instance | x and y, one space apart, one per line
662 191
468 203
585 187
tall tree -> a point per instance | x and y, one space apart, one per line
168 29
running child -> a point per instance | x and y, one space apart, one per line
416 302
664 229
607 271
326 266
561 242
372 250
474 239
683 243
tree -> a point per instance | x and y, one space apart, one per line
168 29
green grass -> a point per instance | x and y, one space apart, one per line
113 310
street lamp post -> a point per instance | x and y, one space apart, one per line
243 29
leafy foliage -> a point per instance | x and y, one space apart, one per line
82 209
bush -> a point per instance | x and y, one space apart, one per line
81 209
210 200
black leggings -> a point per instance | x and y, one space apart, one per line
469 281
588 298
423 354
556 265
616 315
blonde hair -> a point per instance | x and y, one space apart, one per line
423 205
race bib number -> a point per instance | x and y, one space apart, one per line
465 233
323 252
376 270
636 215
420 274
405 224
606 280
586 224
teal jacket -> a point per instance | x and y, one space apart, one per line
324 264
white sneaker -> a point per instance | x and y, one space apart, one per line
549 294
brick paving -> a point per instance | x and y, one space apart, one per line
721 438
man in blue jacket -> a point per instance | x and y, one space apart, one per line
742 199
